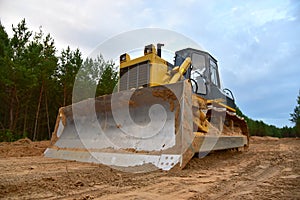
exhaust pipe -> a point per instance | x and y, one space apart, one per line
159 45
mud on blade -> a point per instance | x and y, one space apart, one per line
135 130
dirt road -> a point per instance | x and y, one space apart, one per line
269 170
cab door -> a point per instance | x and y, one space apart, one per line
198 74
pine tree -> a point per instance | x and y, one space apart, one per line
108 80
5 83
295 116
69 65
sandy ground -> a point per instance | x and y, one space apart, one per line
270 169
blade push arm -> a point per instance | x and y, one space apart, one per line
182 69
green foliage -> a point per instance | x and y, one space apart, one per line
65 73
8 136
96 77
259 128
108 80
35 82
295 117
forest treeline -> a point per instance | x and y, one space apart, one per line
260 128
36 80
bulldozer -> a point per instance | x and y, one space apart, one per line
161 115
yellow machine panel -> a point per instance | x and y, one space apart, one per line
151 66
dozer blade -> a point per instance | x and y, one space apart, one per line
136 130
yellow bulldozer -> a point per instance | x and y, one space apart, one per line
161 115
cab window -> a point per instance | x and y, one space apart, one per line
199 68
198 73
198 63
213 73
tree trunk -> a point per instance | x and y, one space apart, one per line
65 95
47 114
11 109
17 111
25 120
37 113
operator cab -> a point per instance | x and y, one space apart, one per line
204 75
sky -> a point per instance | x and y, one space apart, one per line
256 43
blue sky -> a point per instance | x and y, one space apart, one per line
256 42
